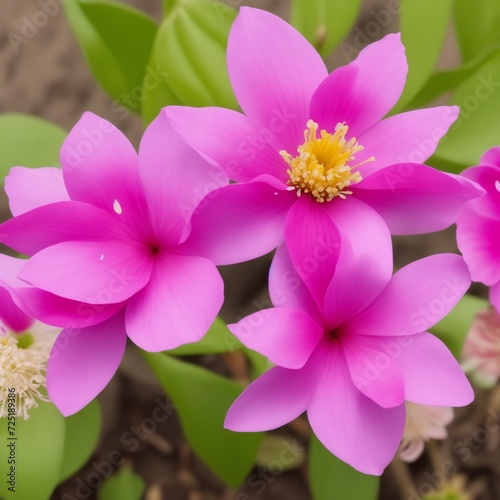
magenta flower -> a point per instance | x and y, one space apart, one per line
351 355
309 142
478 226
105 240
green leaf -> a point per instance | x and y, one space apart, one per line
423 45
476 26
38 453
123 486
189 55
478 126
81 435
453 329
203 399
329 477
282 450
29 142
325 23
116 41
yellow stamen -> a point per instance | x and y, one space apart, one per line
321 167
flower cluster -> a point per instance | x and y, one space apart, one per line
125 245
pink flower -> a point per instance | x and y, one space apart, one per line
105 238
478 226
310 142
352 353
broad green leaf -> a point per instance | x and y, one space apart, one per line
203 399
29 142
217 340
478 126
453 329
168 6
325 23
330 478
116 41
282 450
123 486
476 25
82 432
189 55
37 451
424 24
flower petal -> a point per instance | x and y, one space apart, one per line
416 298
177 306
414 198
286 336
225 224
274 399
495 296
410 137
102 272
29 188
274 72
350 425
175 178
491 157
432 375
230 140
11 315
82 362
363 92
488 177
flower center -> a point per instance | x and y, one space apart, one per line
322 165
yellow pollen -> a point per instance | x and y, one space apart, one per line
322 165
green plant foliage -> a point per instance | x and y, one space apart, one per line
423 45
116 41
82 432
478 127
453 329
203 399
330 478
189 54
29 142
476 25
325 23
39 448
281 452
123 486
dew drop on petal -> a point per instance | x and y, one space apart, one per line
276 193
497 185
117 207
101 257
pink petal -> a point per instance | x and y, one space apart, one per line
362 93
491 157
410 137
48 225
29 188
350 425
11 315
416 298
177 306
102 272
287 289
365 262
373 371
175 178
274 72
230 140
239 222
313 242
432 375
274 399
100 168
489 179
82 362
495 296
286 336
478 239
415 199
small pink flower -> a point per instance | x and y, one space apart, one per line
481 351
423 423
105 235
311 142
352 353
478 225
